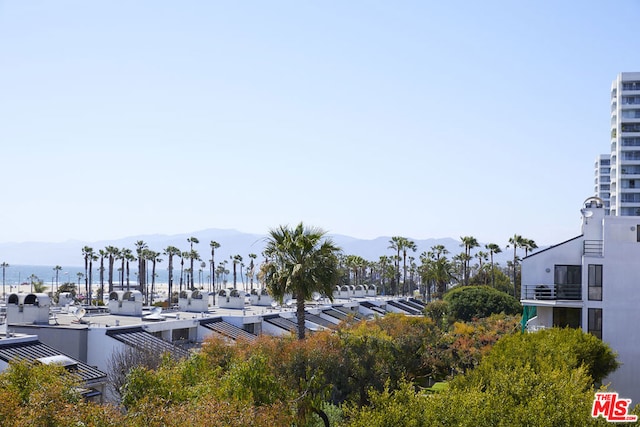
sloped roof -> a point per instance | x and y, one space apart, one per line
137 337
226 329
283 323
33 350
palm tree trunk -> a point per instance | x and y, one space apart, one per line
300 314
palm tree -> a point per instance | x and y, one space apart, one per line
141 247
4 266
113 253
154 258
469 242
386 271
301 261
170 252
406 244
57 269
212 262
127 257
482 257
236 259
183 255
517 241
103 254
493 248
252 267
396 244
193 256
88 254
436 270
191 241
528 245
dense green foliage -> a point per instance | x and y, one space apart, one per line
371 373
470 302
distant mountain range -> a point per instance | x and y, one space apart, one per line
232 242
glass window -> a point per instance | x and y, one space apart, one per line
595 322
568 274
595 282
567 317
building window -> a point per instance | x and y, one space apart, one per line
595 282
595 322
564 317
568 281
568 274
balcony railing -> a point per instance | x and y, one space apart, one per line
552 292
592 247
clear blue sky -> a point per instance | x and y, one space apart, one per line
366 118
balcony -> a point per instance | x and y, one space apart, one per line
552 292
592 248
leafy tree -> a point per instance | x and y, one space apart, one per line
300 262
500 281
469 302
526 379
438 312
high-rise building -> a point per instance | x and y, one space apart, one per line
625 145
602 186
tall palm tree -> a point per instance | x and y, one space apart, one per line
183 255
396 244
154 257
517 241
87 252
436 270
122 256
236 259
301 261
406 245
252 267
113 253
4 266
57 269
528 245
170 252
193 255
212 262
469 242
127 257
493 248
191 241
102 254
141 247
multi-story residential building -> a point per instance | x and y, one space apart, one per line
591 282
602 184
625 145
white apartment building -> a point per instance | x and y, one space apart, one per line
592 281
602 181
625 145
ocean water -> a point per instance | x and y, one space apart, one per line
16 274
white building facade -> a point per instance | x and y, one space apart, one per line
602 180
593 282
625 145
